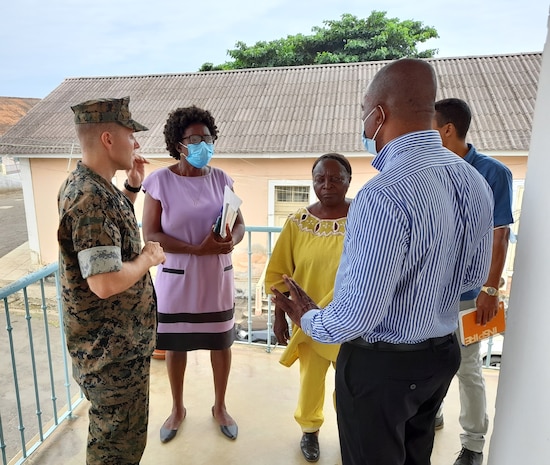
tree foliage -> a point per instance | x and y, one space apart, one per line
347 40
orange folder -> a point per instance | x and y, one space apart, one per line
471 332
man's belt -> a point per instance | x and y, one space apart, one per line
389 347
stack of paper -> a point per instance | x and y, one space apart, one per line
231 204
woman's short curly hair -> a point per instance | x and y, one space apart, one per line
179 120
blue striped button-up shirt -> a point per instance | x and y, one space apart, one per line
418 235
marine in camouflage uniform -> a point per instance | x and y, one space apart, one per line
110 340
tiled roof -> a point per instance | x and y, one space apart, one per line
277 111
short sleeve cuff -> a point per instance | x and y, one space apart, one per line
97 260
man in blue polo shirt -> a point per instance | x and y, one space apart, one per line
452 120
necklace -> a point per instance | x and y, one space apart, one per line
194 192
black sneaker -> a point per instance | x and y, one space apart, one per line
469 457
309 445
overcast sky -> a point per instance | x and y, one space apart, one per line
42 43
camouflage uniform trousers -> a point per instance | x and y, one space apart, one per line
118 414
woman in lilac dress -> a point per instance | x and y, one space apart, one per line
194 286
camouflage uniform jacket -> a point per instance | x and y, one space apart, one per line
97 232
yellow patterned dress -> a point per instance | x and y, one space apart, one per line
308 249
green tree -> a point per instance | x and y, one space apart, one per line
347 40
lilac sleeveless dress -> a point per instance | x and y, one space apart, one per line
195 294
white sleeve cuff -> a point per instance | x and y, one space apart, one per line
306 321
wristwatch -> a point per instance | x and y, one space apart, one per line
129 188
490 291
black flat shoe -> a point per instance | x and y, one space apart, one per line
309 445
167 434
230 431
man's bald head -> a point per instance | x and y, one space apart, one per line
406 90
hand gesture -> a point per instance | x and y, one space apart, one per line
136 174
297 305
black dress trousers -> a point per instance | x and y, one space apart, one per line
386 401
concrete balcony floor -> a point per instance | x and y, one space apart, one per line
261 397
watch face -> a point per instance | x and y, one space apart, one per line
490 290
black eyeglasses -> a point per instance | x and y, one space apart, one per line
196 139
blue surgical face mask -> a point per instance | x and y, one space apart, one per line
370 144
199 155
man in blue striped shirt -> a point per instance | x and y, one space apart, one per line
418 235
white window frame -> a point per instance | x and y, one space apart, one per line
273 183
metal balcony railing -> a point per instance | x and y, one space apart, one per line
35 346
30 409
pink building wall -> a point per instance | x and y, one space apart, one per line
252 177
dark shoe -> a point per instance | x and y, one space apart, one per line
310 447
230 431
167 434
438 422
469 457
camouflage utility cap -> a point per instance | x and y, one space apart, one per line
107 110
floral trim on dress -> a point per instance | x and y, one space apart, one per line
308 222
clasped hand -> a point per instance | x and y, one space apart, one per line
155 252
297 304
214 244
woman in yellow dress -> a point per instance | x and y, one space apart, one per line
308 250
